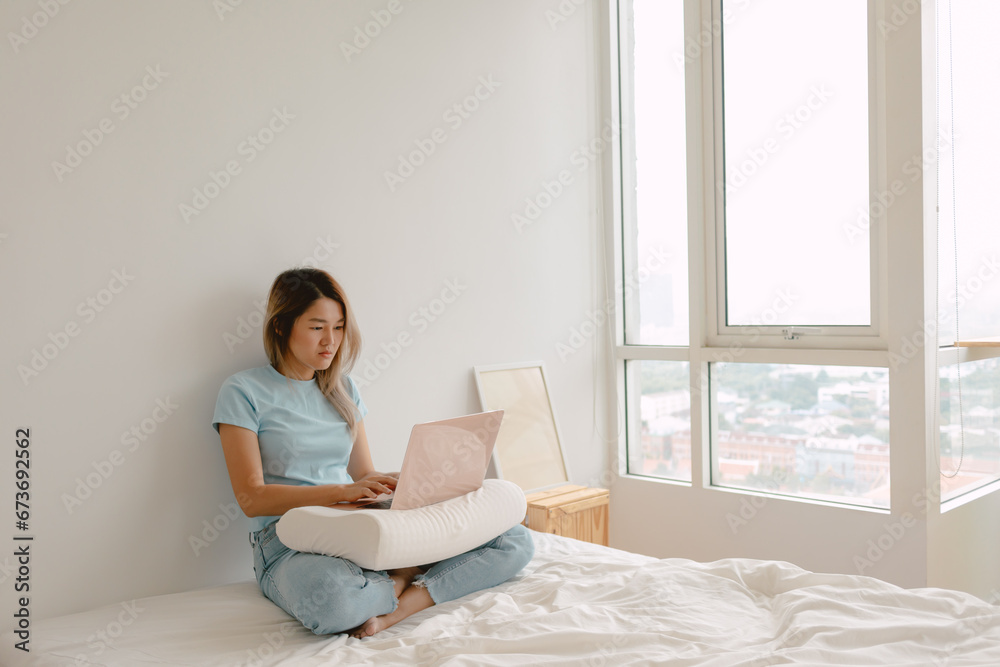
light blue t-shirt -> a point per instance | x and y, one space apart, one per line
303 439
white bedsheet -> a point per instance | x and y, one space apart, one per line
574 604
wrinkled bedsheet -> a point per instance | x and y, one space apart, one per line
575 604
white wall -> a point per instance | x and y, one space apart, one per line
162 337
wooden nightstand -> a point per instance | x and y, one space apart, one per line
571 511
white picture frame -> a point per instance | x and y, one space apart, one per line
528 449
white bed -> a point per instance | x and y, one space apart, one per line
574 604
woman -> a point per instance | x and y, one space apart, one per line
293 434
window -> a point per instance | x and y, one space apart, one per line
660 396
654 240
811 182
795 156
656 303
970 426
968 255
791 262
812 431
967 170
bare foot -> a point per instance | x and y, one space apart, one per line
369 627
413 599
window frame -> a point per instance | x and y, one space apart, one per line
700 532
629 201
707 342
872 336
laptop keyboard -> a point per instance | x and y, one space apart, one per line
378 505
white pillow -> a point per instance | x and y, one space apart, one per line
390 539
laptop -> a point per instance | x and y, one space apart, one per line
443 460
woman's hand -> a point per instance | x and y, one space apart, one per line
389 478
370 486
368 483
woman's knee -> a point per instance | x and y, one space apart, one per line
330 595
519 545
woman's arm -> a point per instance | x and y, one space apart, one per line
360 465
256 498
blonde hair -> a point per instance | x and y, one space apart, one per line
292 293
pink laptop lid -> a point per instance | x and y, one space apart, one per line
446 459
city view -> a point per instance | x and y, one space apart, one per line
819 432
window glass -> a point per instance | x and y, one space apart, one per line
970 436
662 401
968 170
817 432
657 285
796 162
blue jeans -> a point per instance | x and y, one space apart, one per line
331 595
